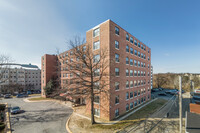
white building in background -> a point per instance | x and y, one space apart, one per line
151 77
19 77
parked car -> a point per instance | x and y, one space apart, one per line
196 98
1 95
15 110
172 92
21 95
155 90
162 94
7 96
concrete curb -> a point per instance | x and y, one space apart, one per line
67 123
28 101
8 120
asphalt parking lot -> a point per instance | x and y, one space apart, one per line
167 97
39 117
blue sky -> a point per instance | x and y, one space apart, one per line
171 28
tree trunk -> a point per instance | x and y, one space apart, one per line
92 108
92 102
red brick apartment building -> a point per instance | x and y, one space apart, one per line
129 75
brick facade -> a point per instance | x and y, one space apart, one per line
142 84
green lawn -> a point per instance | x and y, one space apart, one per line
39 98
135 117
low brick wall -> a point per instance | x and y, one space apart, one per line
195 108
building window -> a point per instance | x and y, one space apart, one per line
127 107
116 58
127 95
135 83
116 30
116 71
131 84
142 100
138 54
127 72
127 61
148 58
131 73
116 99
135 63
96 99
144 65
116 85
135 103
96 72
135 42
131 50
96 112
144 56
84 48
135 51
131 94
127 84
138 73
138 92
138 64
71 59
96 45
71 52
135 73
131 39
96 32
141 46
131 105
138 44
116 112
127 48
141 64
141 55
131 62
148 50
116 44
96 85
127 37
135 93
144 48
96 58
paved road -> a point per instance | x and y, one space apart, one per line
39 117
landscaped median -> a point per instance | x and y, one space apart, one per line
4 119
39 99
78 122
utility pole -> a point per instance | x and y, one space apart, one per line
180 104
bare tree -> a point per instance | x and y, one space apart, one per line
87 71
160 80
4 68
